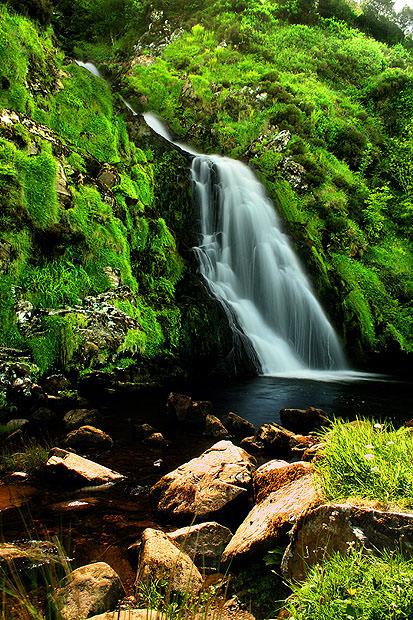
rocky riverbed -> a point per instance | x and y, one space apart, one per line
181 496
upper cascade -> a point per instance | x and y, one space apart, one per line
250 267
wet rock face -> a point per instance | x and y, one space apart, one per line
161 559
267 523
336 528
71 469
215 428
88 438
205 485
204 543
303 420
87 591
274 439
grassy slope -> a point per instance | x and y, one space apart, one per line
234 82
55 253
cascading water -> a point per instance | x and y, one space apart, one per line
250 267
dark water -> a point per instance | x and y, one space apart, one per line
260 399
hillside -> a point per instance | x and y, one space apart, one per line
92 205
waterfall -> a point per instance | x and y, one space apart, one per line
250 267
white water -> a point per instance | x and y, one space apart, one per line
89 66
250 267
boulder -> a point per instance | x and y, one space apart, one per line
87 591
70 467
131 614
273 475
157 440
143 430
161 559
44 415
252 444
303 421
336 527
25 557
80 417
280 441
204 543
205 485
267 523
215 428
313 453
183 409
88 438
238 425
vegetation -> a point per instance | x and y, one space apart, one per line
30 459
367 460
355 586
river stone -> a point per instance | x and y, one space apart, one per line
303 421
131 614
336 527
88 438
238 425
70 467
215 428
157 440
80 417
161 559
280 441
267 523
87 591
185 410
273 475
229 611
205 485
204 543
34 554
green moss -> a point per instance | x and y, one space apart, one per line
39 183
58 343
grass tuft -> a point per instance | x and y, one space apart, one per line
368 460
355 586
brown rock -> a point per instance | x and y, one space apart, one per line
231 610
303 421
238 425
34 554
70 467
204 543
131 614
336 527
161 559
273 475
205 485
251 444
267 523
88 438
215 428
156 440
87 591
313 453
80 417
280 441
184 409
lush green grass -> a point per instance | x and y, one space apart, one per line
367 460
355 587
231 82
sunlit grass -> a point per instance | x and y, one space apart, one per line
367 460
355 586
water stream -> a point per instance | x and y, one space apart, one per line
249 265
